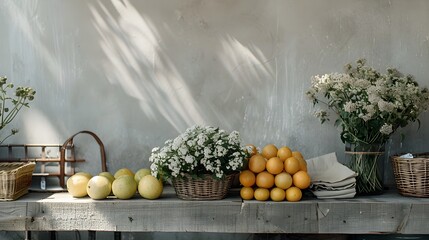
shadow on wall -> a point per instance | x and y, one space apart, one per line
182 79
123 68
163 69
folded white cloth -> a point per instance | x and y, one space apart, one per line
327 169
328 193
339 184
324 187
331 179
347 195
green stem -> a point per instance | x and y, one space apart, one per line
12 114
365 165
2 108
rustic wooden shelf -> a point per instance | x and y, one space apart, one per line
387 213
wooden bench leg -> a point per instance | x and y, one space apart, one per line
52 235
117 236
91 235
27 235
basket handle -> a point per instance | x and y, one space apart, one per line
70 141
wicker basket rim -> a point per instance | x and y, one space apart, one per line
18 166
420 158
203 177
421 155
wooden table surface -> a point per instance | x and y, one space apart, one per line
386 213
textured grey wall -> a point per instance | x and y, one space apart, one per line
140 72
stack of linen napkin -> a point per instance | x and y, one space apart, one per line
331 179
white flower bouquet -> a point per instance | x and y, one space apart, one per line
199 151
369 106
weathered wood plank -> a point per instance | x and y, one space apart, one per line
387 213
278 217
360 217
417 221
166 215
13 216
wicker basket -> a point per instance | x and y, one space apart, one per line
206 188
15 179
412 175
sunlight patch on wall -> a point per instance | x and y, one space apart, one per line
135 60
31 30
45 130
246 64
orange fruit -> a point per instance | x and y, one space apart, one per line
274 165
301 179
257 163
247 178
269 151
277 194
265 180
283 180
246 193
293 194
284 153
297 154
261 194
302 164
291 165
254 150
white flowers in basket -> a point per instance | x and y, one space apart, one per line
199 151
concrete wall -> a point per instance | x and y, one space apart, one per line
140 72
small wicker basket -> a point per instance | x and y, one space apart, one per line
15 179
205 188
412 175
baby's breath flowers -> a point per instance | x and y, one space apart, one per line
200 150
369 105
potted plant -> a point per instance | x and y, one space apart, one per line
201 162
11 105
369 107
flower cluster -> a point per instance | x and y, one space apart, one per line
369 105
199 151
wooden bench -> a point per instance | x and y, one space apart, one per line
389 213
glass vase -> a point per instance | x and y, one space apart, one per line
367 160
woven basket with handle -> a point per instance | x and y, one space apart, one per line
205 188
412 175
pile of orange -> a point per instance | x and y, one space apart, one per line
275 173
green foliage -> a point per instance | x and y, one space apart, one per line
11 105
